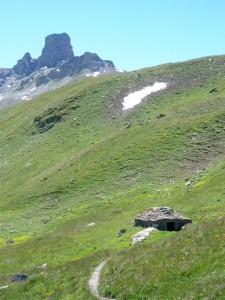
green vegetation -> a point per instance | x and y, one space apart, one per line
68 159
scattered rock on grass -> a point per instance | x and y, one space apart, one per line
9 241
214 90
188 183
160 116
42 267
91 225
137 76
122 231
4 287
19 277
127 125
139 236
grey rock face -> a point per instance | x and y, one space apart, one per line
109 64
88 60
25 66
43 79
57 48
5 72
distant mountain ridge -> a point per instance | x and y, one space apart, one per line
56 63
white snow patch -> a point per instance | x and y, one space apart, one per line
25 98
9 86
34 88
135 98
139 236
1 98
95 74
120 71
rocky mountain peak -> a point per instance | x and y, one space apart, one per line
55 67
57 48
25 65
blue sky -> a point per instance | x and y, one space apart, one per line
133 34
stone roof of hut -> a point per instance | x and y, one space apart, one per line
159 213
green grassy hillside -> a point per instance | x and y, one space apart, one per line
72 157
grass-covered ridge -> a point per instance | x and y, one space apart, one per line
82 164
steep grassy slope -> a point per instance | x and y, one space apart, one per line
73 157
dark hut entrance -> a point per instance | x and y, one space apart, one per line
170 226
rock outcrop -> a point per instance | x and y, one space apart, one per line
25 66
57 49
4 73
58 55
87 61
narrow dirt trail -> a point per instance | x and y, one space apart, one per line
93 282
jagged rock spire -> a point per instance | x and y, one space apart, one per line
57 48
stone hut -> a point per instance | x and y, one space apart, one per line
163 218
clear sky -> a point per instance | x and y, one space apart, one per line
132 33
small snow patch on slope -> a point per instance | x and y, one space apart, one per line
95 74
135 98
120 71
25 98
